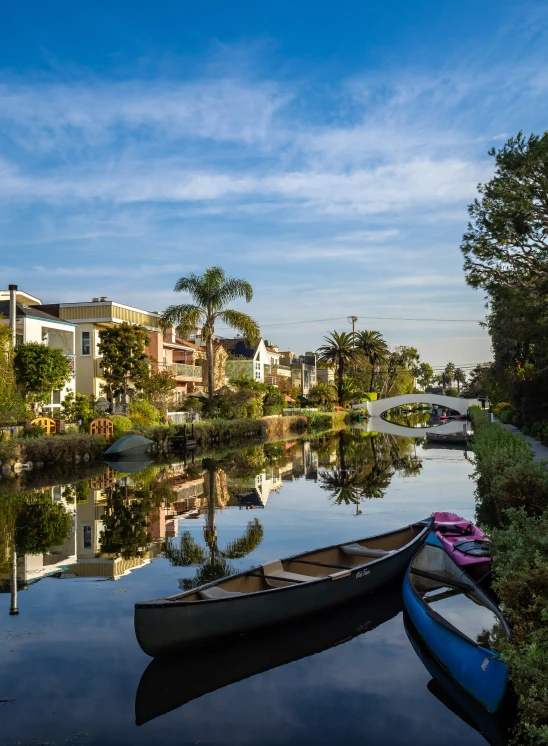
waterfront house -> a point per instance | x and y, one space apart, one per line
302 368
34 324
244 360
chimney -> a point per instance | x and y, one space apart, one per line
103 298
95 300
13 314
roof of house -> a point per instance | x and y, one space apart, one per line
272 350
191 345
238 347
35 312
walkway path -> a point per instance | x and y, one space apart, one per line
540 450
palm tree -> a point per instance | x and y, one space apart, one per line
322 393
211 293
460 377
450 369
374 348
339 351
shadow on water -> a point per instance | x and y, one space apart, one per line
168 684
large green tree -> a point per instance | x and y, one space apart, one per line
426 375
374 349
210 294
339 351
124 359
39 370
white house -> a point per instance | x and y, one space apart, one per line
34 325
245 360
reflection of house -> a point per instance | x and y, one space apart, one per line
34 324
256 496
305 461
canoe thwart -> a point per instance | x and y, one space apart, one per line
274 571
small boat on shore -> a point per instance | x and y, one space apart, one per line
277 591
129 447
469 547
166 683
457 621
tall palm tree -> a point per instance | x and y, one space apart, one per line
460 377
339 351
374 348
211 293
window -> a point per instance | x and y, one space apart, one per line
87 536
56 397
86 343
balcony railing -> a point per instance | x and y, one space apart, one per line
185 371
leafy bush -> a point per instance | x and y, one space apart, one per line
10 450
56 448
79 408
508 478
122 425
539 430
500 407
32 431
521 582
143 413
508 415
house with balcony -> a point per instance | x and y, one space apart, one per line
90 318
35 324
184 360
327 375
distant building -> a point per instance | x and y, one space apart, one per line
327 375
303 370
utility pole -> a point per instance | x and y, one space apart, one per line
352 320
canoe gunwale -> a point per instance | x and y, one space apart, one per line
443 622
170 602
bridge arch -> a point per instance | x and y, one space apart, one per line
380 406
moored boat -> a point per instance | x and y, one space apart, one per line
457 621
276 592
464 541
130 446
166 684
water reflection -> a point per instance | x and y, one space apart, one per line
115 522
168 684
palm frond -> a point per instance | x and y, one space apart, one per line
243 323
233 289
185 317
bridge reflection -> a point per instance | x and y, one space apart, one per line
380 425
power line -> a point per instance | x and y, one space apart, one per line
376 318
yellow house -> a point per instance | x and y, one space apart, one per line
90 318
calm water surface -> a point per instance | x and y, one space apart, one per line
70 660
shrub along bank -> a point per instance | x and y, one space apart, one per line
52 450
512 494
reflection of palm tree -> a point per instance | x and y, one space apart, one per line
214 564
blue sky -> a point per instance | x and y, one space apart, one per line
324 151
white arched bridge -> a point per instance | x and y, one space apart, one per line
375 410
380 406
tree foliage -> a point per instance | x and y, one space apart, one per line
39 370
41 524
124 359
157 388
12 405
339 351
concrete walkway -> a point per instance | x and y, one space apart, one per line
540 450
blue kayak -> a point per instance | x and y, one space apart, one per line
457 621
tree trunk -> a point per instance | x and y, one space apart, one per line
372 377
340 381
210 365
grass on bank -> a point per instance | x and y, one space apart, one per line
512 495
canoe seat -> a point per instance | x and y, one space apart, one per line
212 594
275 570
356 550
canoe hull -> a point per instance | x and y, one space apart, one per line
163 627
475 668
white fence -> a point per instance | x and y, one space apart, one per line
181 418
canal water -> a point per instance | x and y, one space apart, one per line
73 673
